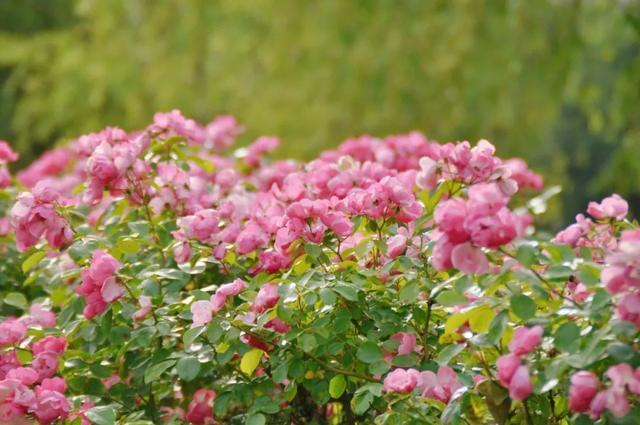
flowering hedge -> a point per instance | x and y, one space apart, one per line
158 276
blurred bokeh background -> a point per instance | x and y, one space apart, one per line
556 82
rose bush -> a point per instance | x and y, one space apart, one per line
158 277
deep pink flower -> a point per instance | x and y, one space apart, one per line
407 343
629 308
99 284
441 255
55 344
12 331
200 411
26 375
267 298
51 406
440 386
525 339
507 365
274 261
584 387
396 245
450 216
520 386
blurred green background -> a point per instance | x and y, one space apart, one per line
554 81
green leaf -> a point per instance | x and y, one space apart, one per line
188 368
523 306
250 361
410 291
33 260
280 372
328 296
308 342
567 338
361 402
256 419
348 292
451 298
621 352
337 385
154 372
526 254
369 352
102 415
497 327
192 334
314 251
16 299
380 367
449 352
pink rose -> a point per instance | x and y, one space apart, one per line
525 339
407 343
46 364
450 216
267 298
440 386
54 344
583 388
200 410
427 177
42 317
12 331
182 252
507 365
520 386
6 153
611 207
202 312
51 405
629 308
469 259
396 245
401 381
25 375
101 168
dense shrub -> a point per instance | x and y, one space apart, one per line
158 277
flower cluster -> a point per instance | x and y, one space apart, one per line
31 389
35 215
389 280
438 386
481 221
599 235
512 373
587 394
203 310
100 284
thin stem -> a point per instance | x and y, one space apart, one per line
330 368
527 412
425 333
543 280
